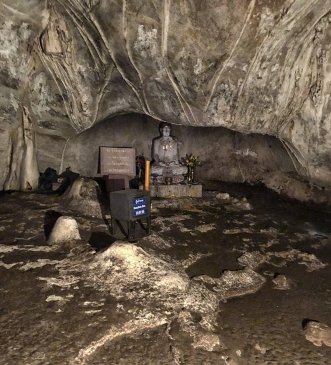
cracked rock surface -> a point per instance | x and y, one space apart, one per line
179 296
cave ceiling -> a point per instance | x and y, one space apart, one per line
251 66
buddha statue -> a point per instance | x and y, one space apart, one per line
165 152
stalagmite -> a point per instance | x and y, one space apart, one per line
24 173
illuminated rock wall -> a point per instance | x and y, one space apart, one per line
250 66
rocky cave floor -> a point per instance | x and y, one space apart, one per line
226 279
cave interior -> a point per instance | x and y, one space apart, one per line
239 275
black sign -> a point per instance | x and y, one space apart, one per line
140 206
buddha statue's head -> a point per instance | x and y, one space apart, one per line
165 129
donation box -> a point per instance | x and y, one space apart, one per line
130 213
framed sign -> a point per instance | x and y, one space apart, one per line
117 161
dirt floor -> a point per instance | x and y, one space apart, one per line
230 278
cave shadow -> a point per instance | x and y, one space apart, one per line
51 216
306 321
100 241
104 201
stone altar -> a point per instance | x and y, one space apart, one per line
176 191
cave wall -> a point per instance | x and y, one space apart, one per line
226 155
34 125
252 66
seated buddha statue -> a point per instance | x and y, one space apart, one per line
165 153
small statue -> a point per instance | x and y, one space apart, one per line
165 153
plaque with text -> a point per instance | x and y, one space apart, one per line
140 206
118 161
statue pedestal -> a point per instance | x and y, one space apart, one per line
161 180
176 191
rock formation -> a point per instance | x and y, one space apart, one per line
64 230
250 66
85 196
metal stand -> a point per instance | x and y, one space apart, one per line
132 230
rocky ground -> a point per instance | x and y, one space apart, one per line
233 278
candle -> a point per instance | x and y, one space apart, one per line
147 173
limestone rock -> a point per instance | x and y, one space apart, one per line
132 275
223 196
237 283
296 187
311 262
262 349
318 333
201 337
251 260
241 204
128 272
64 230
85 196
233 283
282 282
23 174
149 291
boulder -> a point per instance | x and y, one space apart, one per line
85 197
281 282
318 333
64 230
